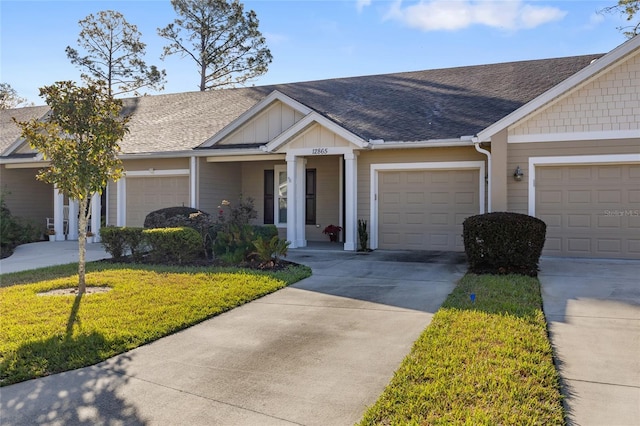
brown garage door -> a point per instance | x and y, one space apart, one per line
590 210
146 194
424 210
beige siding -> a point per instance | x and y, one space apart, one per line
519 154
610 102
25 196
266 126
327 195
253 183
25 148
146 194
156 164
366 158
317 136
217 182
112 203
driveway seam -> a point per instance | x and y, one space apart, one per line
603 383
407 310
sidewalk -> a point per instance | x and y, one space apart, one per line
46 253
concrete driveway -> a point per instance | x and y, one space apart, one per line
593 311
316 353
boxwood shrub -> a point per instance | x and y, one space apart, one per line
503 243
173 245
117 241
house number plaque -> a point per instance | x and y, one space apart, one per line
320 151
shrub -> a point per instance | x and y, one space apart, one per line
240 214
235 244
363 235
266 232
503 242
270 251
14 231
173 245
173 217
117 241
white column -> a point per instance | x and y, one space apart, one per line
96 210
193 183
121 206
74 208
351 201
299 195
58 214
291 201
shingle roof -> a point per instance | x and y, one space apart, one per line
9 132
410 106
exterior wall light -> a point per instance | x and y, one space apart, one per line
517 175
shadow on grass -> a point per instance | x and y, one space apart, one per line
84 396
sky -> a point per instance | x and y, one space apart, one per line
320 39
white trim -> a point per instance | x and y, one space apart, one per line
254 111
277 169
26 164
308 120
156 173
562 88
445 165
351 201
96 208
571 160
254 157
121 203
575 136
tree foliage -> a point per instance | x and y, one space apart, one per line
9 97
630 9
114 53
79 137
221 38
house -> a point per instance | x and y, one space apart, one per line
413 153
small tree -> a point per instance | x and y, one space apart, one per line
80 139
114 54
223 41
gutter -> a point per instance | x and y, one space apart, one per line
432 143
476 144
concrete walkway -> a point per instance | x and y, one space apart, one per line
593 311
46 253
316 353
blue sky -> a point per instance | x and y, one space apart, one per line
321 39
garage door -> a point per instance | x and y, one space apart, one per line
590 210
424 210
146 194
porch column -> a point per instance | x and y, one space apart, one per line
351 201
96 210
121 203
72 230
58 214
291 201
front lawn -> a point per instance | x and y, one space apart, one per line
42 335
482 362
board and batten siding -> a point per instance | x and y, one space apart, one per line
318 136
609 102
519 153
217 182
25 196
264 127
419 155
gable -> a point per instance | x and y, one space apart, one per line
608 102
316 136
265 126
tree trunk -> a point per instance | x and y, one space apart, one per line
82 244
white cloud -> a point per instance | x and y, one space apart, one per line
361 4
274 38
456 15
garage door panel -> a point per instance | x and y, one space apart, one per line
587 209
428 209
146 194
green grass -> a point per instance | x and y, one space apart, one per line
483 363
42 335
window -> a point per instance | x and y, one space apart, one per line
280 190
310 197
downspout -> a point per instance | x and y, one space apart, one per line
476 144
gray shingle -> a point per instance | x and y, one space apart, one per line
411 106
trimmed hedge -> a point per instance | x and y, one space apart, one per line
173 245
504 243
172 217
